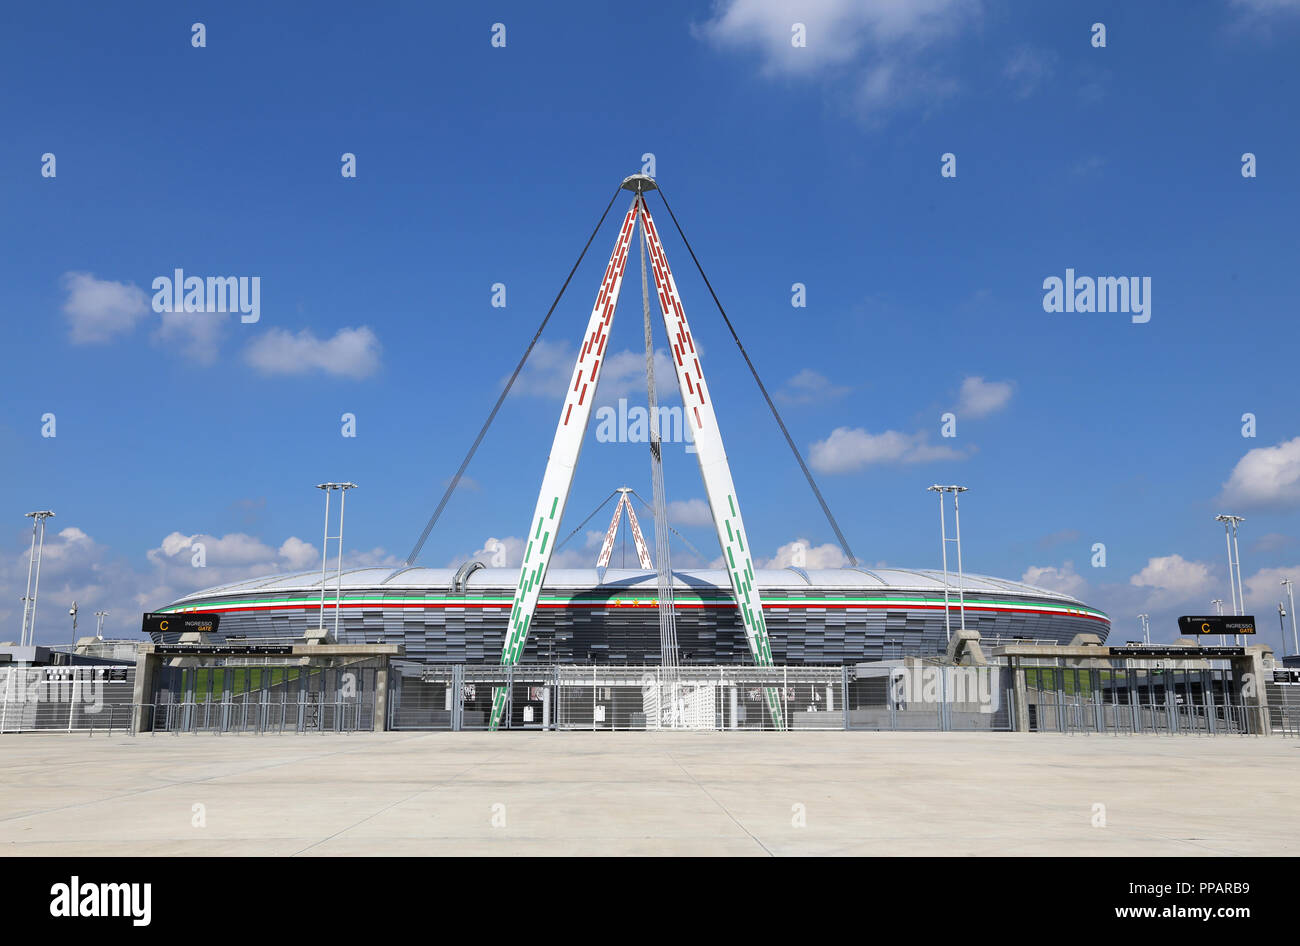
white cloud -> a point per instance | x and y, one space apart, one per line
878 43
622 374
837 31
73 568
1173 579
76 567
236 548
547 372
351 353
849 449
803 554
1063 579
198 334
298 554
235 556
1266 476
689 512
508 552
810 387
1264 589
99 309
979 398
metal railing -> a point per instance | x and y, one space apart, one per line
1139 716
608 697
260 717
17 716
218 717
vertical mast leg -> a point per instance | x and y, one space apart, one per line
556 482
712 456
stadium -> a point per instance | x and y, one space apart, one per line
735 614
813 616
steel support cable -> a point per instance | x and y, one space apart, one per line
455 480
663 561
844 544
562 543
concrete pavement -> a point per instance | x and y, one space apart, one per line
649 793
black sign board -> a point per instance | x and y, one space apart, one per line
223 650
1217 624
1148 651
155 623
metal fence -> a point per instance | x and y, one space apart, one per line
1052 711
219 699
1284 708
264 698
912 696
1122 700
604 697
262 716
921 696
64 699
243 716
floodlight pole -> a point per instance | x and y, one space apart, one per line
99 626
1218 609
1290 593
1146 628
943 545
1230 524
324 554
28 636
338 586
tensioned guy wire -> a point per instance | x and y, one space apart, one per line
455 480
844 544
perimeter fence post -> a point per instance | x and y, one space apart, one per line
844 694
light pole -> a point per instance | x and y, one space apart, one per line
1290 593
72 611
1218 609
324 558
1146 628
99 626
1230 524
28 636
1281 621
943 546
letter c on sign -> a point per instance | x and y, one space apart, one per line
162 626
1205 628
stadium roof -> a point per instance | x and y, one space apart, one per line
483 579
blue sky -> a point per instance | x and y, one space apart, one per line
817 165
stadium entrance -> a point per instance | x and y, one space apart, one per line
230 688
603 697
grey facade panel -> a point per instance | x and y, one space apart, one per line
592 627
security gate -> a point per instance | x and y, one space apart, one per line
604 697
1170 701
264 698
